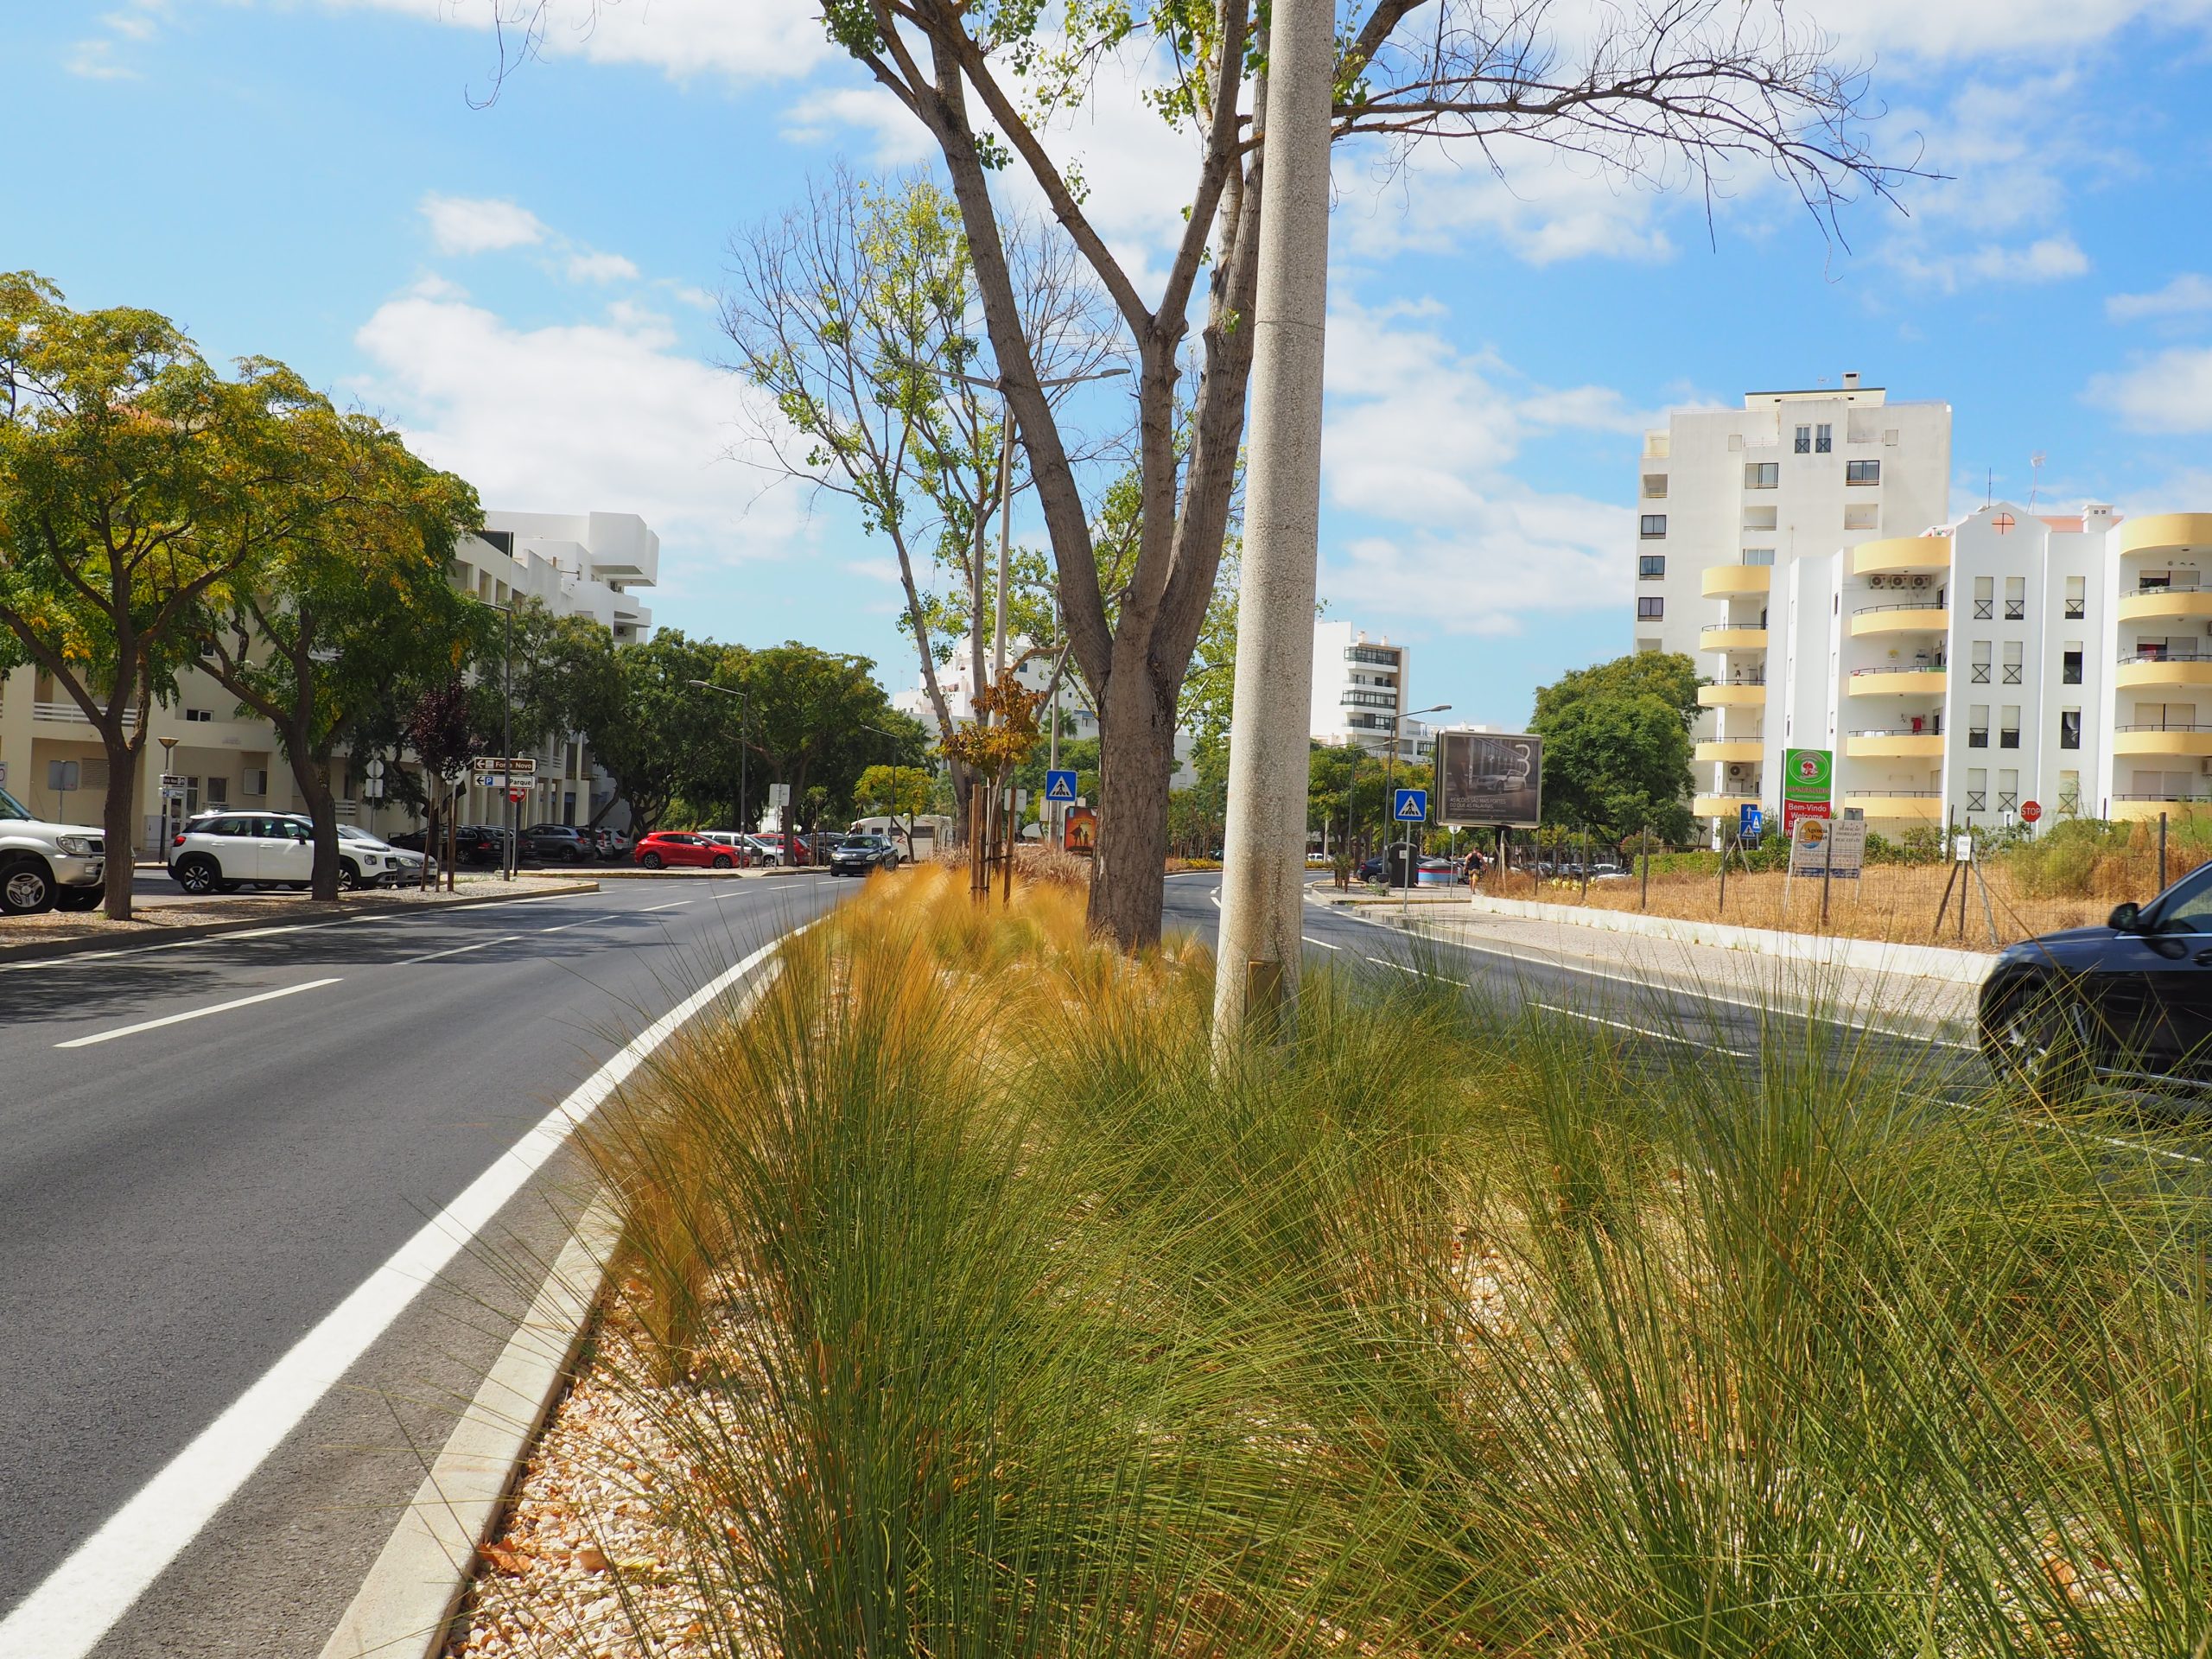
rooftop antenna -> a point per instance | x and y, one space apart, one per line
2035 472
1989 486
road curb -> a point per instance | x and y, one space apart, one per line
36 951
636 874
404 1608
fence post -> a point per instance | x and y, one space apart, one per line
1585 864
2162 852
1645 903
1726 843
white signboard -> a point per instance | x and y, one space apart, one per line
779 794
1963 849
1829 847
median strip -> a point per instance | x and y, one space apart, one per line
194 1013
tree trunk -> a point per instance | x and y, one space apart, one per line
1136 758
313 781
118 830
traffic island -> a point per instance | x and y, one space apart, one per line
967 1300
62 933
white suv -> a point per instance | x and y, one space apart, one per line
45 865
221 852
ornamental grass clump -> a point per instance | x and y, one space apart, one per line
994 1315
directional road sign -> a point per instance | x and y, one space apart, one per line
1751 822
1411 807
520 766
1060 786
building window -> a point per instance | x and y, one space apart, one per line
1981 662
1862 472
2070 666
1655 486
1762 475
1650 609
218 791
2016 599
1979 675
1985 599
2077 604
2012 649
1380 655
1651 567
1758 556
2008 738
1977 800
199 716
1976 737
1647 645
1654 525
1867 517
1823 439
1804 443
1758 518
2070 728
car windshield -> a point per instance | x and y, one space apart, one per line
864 844
2188 908
12 808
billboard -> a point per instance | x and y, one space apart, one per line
1808 775
1488 778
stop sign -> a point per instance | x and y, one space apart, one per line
519 796
2030 811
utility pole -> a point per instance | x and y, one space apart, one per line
507 746
1264 845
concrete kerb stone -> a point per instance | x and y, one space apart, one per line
404 1609
154 936
1819 950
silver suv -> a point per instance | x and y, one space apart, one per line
43 866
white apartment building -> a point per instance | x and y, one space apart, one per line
586 564
1362 690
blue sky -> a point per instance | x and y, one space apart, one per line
527 286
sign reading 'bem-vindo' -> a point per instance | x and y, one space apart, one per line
1808 780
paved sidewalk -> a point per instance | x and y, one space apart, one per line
1914 1003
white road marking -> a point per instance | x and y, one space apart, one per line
674 904
195 1013
1642 1031
458 951
565 926
1380 963
1324 943
72 1609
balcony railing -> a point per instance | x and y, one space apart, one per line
2179 796
1905 605
2164 726
2193 585
69 713
1893 794
1733 627
1900 731
1903 668
2192 655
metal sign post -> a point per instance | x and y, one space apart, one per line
1409 807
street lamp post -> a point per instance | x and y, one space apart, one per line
744 726
509 859
1390 776
892 753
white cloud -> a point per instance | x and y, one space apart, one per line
2170 392
1422 444
97 57
2047 259
739 40
609 415
1543 206
2185 295
1979 29
585 267
481 224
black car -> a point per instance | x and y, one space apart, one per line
2130 1000
555 843
858 855
479 846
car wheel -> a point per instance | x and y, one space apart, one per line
198 875
651 861
722 860
80 897
27 889
298 887
349 875
2039 1041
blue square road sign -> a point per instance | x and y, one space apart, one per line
1060 786
1412 806
1751 822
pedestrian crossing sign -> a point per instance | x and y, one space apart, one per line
1060 786
1412 806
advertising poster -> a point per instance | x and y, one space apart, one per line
1493 779
1808 779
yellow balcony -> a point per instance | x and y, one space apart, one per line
1900 806
1901 556
1915 616
1732 694
2132 809
1721 807
2157 604
1897 746
2194 740
1730 636
1725 581
1732 748
2166 532
1898 682
2163 673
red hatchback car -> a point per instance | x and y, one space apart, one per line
672 848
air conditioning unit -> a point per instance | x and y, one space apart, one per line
1920 582
1739 769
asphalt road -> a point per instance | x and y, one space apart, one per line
180 1203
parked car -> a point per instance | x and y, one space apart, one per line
555 843
223 851
404 866
741 849
608 844
476 845
1370 869
681 848
859 854
46 866
2130 1000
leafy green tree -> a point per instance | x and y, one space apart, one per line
646 723
1616 745
810 710
1678 92
137 485
351 600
